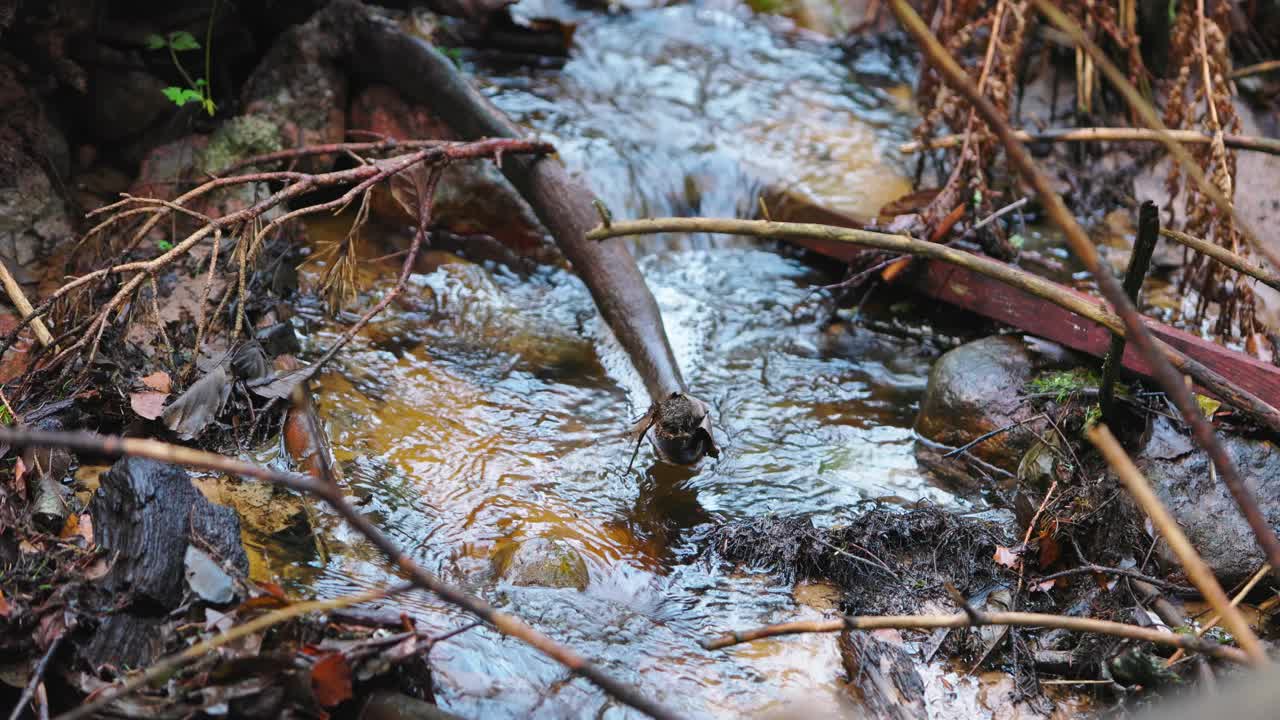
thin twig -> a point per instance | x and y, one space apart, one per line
1158 354
36 674
960 620
1262 572
1107 134
1008 274
115 446
1123 572
1197 570
22 304
1224 256
1255 69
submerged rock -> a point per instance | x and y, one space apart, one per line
1180 474
977 388
541 562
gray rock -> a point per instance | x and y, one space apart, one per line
976 388
1179 472
541 562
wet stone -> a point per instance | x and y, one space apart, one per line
1180 474
541 562
977 388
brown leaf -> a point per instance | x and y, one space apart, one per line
158 381
199 405
1007 557
19 471
5 607
1049 551
148 404
331 680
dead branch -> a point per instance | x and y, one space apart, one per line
960 620
1106 134
362 177
115 446
22 304
1256 69
1162 361
1197 570
1015 277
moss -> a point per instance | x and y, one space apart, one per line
1065 383
238 138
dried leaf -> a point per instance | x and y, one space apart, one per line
199 405
1049 551
331 680
5 607
148 404
1045 586
1007 557
1208 405
158 381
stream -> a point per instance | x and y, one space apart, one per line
489 409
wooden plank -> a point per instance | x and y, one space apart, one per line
993 299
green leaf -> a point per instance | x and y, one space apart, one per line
183 40
155 42
175 95
164 245
201 82
1017 241
209 107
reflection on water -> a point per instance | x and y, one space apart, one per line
486 410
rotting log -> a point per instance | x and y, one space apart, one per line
566 207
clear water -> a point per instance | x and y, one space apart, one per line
489 409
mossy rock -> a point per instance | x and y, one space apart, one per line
238 138
541 562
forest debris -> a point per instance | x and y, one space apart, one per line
206 578
199 404
882 678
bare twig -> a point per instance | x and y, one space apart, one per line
23 305
1199 573
1262 572
114 446
1224 256
959 620
1107 134
1139 260
1255 69
1122 572
37 674
1008 274
1162 361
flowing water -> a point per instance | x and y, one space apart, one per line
487 410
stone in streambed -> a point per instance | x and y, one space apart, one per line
977 388
541 562
1179 472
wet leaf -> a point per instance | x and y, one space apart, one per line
1049 550
1007 557
199 405
1208 405
148 404
206 577
331 680
281 386
158 381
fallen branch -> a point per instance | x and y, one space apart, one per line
960 620
1159 355
1258 576
1255 69
115 446
1040 287
1197 570
1106 134
37 676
